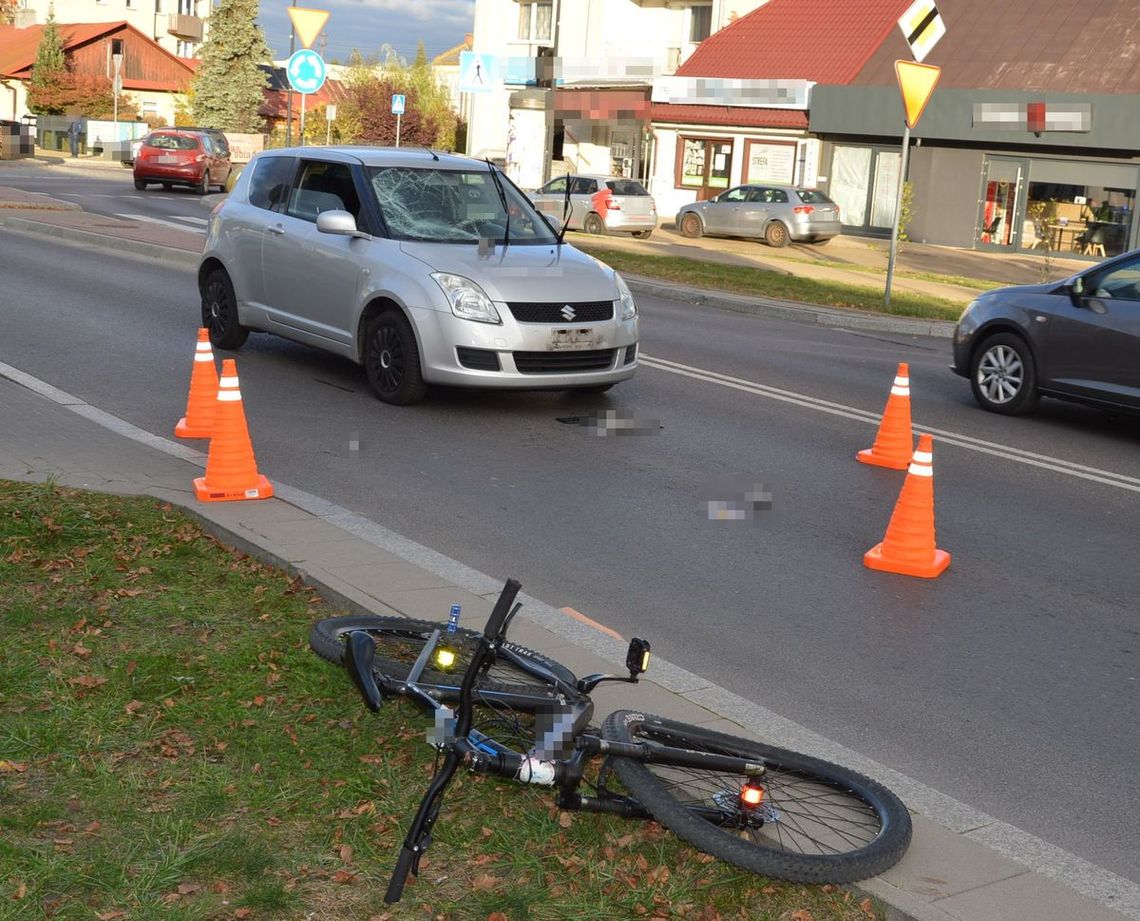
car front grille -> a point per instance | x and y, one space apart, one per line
553 312
564 362
477 359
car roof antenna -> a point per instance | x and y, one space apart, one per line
434 156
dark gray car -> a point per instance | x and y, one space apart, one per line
775 213
1078 339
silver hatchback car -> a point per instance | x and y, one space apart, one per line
424 267
776 213
599 204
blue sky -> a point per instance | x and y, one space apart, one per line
366 25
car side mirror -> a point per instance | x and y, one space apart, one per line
340 223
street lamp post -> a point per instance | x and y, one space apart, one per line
288 88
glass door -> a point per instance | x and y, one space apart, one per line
1001 209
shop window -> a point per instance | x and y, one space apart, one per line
703 163
535 21
700 23
1082 219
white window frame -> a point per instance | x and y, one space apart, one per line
532 7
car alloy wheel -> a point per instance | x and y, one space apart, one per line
219 312
1003 377
594 224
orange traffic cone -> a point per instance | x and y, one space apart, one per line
894 443
199 419
908 547
231 471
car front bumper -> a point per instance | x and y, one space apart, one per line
519 356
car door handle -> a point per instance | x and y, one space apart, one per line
278 229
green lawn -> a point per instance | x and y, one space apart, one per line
170 749
739 279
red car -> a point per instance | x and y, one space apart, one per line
179 157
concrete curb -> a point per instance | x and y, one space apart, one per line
792 310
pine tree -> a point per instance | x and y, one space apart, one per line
8 10
50 80
228 88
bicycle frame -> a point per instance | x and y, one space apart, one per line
465 746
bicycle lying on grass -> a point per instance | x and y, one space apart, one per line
774 812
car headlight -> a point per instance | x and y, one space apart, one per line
468 301
628 307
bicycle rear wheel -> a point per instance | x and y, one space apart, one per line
818 822
399 642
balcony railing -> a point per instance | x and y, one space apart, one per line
187 27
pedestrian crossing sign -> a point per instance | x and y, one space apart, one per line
478 73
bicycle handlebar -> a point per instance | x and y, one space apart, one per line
501 609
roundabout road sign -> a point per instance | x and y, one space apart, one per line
306 70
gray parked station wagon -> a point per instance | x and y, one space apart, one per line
424 267
774 213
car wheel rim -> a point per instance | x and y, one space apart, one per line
1000 374
388 359
690 225
216 308
777 234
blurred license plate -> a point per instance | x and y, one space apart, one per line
167 158
572 339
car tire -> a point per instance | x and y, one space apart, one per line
140 186
776 235
203 187
220 313
691 226
643 234
1003 375
222 185
392 359
594 224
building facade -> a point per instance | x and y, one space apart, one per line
178 26
568 81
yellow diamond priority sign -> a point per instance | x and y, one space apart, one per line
917 83
307 24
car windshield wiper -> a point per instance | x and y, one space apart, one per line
565 208
503 200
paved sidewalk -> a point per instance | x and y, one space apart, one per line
963 864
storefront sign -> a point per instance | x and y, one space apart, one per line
715 91
771 163
1033 116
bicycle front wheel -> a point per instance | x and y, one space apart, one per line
399 642
816 823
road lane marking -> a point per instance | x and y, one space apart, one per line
155 220
1055 464
590 622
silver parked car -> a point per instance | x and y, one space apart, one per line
777 213
599 204
425 268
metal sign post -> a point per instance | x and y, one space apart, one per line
330 117
307 24
306 71
398 101
916 82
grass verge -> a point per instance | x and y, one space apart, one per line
170 749
739 279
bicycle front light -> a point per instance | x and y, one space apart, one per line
637 659
444 657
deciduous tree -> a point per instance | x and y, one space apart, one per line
228 87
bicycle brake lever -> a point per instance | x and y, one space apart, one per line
359 654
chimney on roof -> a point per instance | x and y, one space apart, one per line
23 18
469 39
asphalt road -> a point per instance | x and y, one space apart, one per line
112 192
1010 683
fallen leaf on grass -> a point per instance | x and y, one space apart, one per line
21 891
497 916
346 853
566 819
243 912
88 681
12 767
868 907
484 882
131 666
112 915
802 915
80 650
343 876
134 706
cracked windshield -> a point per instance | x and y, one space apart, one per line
455 206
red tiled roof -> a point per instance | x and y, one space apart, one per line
18 46
828 42
729 116
275 103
